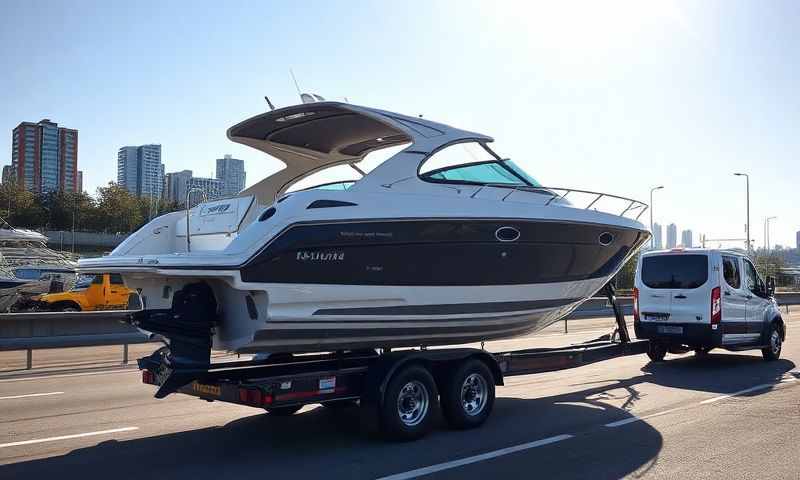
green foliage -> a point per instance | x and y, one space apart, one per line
625 277
113 210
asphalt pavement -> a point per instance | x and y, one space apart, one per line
731 415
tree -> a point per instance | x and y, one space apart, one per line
117 210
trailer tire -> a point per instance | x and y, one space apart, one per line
284 411
410 404
656 351
468 395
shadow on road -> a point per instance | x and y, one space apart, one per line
330 443
322 442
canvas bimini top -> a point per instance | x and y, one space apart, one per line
316 136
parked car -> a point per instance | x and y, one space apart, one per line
105 292
700 299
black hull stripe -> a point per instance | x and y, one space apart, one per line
451 309
308 335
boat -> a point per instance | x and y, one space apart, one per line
25 258
444 242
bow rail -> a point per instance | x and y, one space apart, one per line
559 195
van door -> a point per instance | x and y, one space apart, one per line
756 305
734 300
691 292
655 292
95 292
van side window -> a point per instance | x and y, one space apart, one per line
730 270
750 275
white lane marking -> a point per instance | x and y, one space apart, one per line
474 459
626 421
786 378
64 375
67 437
740 392
31 395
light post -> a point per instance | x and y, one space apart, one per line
766 231
747 178
652 234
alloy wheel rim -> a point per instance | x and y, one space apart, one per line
413 403
474 394
776 342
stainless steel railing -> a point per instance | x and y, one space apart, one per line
559 194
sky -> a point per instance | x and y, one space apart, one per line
608 96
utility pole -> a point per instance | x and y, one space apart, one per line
652 234
747 178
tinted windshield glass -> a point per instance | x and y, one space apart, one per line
490 172
675 271
475 163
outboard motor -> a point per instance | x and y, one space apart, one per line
187 325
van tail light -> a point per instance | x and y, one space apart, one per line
635 304
716 306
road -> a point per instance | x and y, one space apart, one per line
727 416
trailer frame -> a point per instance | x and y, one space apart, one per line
283 383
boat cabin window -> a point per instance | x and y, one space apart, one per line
473 163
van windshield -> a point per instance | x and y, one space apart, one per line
680 271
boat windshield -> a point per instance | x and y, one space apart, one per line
483 168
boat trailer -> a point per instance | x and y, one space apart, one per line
396 391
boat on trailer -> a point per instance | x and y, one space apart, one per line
445 242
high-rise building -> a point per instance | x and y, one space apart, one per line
658 242
177 186
44 157
231 172
672 235
211 187
80 181
140 171
7 173
798 240
686 239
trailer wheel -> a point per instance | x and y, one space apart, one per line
468 395
410 404
657 351
284 411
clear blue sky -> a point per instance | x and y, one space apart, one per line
606 96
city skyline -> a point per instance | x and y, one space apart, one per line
650 95
44 157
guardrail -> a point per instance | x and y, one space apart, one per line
43 330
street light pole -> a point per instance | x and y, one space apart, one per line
747 178
652 234
767 232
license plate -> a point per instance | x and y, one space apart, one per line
672 330
655 317
211 390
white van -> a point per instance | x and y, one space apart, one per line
700 299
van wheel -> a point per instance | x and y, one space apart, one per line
410 404
773 350
468 395
657 351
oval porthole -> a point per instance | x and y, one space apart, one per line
507 234
605 239
267 214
